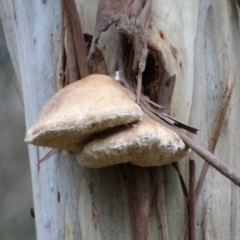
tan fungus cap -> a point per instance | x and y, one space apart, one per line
80 110
146 143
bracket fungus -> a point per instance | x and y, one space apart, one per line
145 143
82 109
99 118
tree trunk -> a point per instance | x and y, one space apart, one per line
200 43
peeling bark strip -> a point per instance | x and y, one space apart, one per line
132 20
162 212
72 71
75 47
78 37
147 106
97 63
191 206
140 187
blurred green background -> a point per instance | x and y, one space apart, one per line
15 180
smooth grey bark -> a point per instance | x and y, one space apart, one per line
200 43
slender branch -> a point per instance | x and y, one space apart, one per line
211 159
47 156
191 206
202 152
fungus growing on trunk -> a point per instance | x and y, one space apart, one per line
99 118
82 109
146 143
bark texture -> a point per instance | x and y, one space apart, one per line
199 41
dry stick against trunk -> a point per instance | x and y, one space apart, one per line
197 148
79 42
202 152
216 129
191 205
158 174
47 156
211 159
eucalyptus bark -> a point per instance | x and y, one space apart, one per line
199 41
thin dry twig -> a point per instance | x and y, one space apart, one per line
197 148
47 156
203 153
211 159
161 201
191 206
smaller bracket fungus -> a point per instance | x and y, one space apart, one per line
82 109
146 143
